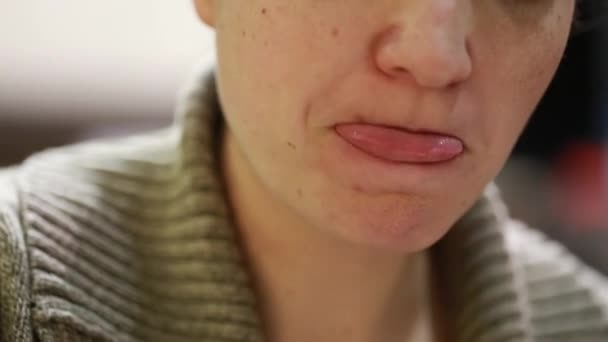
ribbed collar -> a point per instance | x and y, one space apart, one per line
481 283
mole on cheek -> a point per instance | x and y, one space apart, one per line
264 11
335 32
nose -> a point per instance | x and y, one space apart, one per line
429 42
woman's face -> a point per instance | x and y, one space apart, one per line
382 121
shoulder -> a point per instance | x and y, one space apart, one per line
96 168
104 219
8 195
14 269
153 147
567 299
48 206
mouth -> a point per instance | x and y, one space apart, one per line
401 145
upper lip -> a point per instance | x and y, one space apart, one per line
410 129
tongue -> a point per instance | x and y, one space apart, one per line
397 145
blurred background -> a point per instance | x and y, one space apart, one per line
76 69
72 70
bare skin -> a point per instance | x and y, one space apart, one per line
337 238
320 288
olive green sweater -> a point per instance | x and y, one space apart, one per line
131 240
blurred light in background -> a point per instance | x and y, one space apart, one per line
72 69
119 58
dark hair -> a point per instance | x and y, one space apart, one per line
589 14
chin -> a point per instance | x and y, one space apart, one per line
397 230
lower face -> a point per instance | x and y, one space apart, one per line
295 76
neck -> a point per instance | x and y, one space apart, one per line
315 287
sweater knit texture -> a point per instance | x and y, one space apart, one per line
132 240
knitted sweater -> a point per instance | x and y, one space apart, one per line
131 240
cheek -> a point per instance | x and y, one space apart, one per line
514 74
272 71
288 49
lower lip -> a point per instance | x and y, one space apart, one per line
394 145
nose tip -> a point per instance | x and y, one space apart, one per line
433 59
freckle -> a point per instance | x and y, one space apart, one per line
335 32
300 193
264 11
244 34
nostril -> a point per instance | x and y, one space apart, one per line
400 73
399 70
